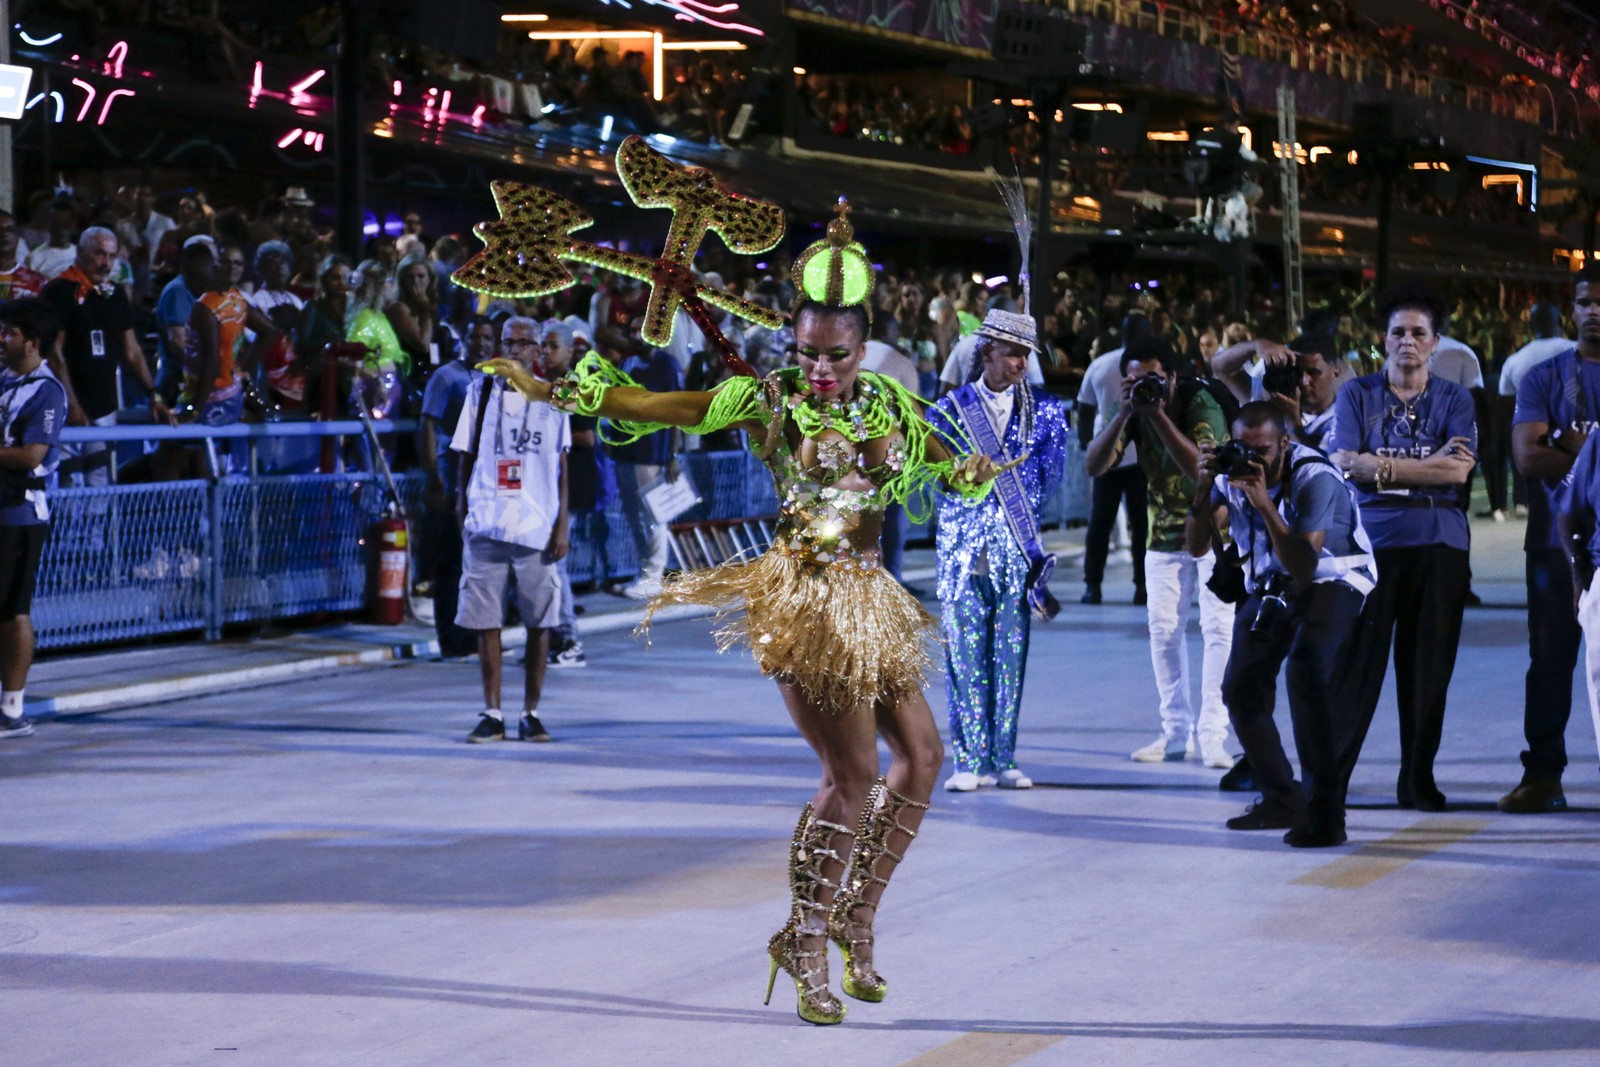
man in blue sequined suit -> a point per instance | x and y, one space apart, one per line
985 558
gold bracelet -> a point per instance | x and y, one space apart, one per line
1385 475
564 394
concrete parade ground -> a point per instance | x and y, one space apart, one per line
319 871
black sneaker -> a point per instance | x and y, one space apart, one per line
18 727
529 728
489 728
1265 815
1240 779
1091 595
1534 796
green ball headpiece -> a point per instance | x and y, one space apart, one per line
836 271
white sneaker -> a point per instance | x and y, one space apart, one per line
1215 756
1499 515
986 779
961 782
1015 779
643 589
1158 751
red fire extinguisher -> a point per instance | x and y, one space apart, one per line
392 571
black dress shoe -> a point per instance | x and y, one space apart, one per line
1240 779
1317 830
1140 597
1429 800
1265 815
1091 595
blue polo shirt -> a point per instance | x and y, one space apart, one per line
1369 417
33 409
1562 391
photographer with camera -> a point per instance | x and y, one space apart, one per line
1169 421
1301 377
1407 439
1306 566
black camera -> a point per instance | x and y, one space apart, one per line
1282 379
1149 390
1237 459
1273 612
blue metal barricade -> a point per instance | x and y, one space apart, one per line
132 561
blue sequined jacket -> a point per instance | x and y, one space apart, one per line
971 529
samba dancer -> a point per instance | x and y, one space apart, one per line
845 643
993 570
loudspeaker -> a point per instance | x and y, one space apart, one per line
1027 37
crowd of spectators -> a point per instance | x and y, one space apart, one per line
1555 36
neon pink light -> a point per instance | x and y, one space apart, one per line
311 136
397 87
255 85
86 87
444 106
297 92
691 11
722 9
105 109
477 115
288 139
318 145
115 58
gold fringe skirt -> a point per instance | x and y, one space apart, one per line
847 635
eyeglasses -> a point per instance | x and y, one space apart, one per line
521 342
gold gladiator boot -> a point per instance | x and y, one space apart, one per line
810 893
851 917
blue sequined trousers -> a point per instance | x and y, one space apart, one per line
985 618
986 655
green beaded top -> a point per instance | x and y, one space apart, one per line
881 406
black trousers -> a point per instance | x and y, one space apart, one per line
1110 489
1310 639
442 563
1553 639
1417 607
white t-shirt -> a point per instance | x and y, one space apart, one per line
892 363
1528 357
959 365
1456 362
515 491
51 261
1102 388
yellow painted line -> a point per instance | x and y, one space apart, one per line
985 1050
1371 862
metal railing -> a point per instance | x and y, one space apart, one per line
126 562
1298 53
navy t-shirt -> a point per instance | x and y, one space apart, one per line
442 401
657 372
1369 417
1565 392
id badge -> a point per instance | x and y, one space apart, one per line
433 353
509 476
97 343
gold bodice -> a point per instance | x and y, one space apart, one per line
832 496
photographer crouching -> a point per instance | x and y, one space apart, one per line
1305 567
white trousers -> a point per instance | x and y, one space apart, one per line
1589 619
1171 579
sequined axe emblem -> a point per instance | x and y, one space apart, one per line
523 249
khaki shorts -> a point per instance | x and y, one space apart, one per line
486 566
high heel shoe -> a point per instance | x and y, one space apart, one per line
814 842
879 818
